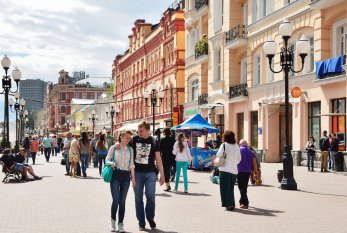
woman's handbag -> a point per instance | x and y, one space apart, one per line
63 162
107 171
219 161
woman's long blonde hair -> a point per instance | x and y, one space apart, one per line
180 138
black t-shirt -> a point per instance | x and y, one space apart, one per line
166 147
8 160
334 144
144 154
18 158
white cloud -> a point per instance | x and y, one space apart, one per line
45 36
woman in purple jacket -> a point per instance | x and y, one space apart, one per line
245 167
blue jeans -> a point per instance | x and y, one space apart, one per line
28 153
145 180
47 153
184 166
119 189
84 162
101 159
332 164
226 185
67 163
95 159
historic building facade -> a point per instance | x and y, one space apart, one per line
237 88
155 55
60 95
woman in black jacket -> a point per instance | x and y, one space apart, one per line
166 146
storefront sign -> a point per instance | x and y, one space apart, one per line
296 92
190 112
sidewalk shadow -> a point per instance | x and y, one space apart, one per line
162 195
189 182
89 178
258 212
193 194
323 194
46 176
159 231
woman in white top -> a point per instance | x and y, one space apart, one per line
122 161
183 157
228 172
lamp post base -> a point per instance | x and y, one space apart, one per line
288 181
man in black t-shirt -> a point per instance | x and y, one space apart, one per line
324 146
147 160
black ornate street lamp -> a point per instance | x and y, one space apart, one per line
287 64
112 111
6 85
93 118
18 106
153 100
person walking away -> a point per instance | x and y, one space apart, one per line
41 145
334 149
183 157
311 152
247 164
122 161
66 151
84 152
60 142
54 145
228 172
324 146
47 143
74 156
109 139
92 148
34 148
101 148
26 146
147 161
166 147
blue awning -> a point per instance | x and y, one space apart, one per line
330 67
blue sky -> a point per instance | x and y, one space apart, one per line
43 37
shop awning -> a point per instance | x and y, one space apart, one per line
330 67
129 126
332 114
210 106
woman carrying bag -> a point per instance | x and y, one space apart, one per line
230 151
101 148
183 157
122 162
311 152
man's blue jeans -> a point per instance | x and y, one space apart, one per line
145 180
84 161
67 163
119 189
47 153
27 156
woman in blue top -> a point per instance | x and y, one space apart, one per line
101 148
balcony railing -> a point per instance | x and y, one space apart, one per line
240 31
238 91
202 99
200 4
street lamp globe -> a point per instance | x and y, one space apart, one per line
22 102
145 94
26 113
161 94
93 112
303 46
286 28
16 74
11 102
5 62
270 47
16 95
153 86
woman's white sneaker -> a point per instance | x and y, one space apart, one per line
113 225
121 227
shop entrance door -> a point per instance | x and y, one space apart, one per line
282 128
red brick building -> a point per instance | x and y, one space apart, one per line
156 53
59 97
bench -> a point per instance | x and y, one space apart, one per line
10 173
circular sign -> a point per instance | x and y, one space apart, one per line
296 92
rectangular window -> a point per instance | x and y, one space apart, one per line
84 95
218 67
91 96
63 97
254 129
98 95
244 70
339 121
195 90
314 121
257 71
240 126
220 124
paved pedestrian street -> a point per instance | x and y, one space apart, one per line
58 203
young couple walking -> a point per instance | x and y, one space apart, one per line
137 161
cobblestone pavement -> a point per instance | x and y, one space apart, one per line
59 203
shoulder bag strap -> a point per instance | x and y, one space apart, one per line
114 155
225 154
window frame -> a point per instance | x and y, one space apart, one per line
194 83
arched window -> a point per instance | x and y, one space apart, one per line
194 89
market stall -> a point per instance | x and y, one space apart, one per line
197 126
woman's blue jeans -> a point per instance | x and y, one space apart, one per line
84 161
119 189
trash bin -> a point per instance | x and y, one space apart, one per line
339 162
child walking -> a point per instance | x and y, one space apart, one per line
183 158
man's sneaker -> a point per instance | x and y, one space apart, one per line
152 223
37 178
121 227
113 225
142 228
